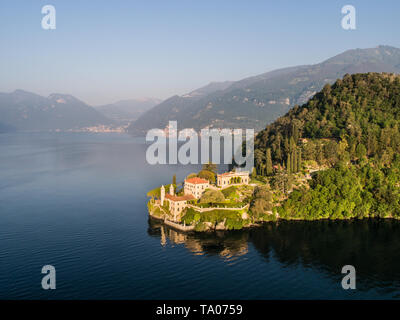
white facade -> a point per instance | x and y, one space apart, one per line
196 187
231 178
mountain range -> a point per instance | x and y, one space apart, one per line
252 102
256 101
26 111
127 110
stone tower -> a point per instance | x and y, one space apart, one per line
171 190
162 193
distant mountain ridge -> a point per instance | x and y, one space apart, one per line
256 101
26 111
127 110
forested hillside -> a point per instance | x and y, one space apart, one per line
350 133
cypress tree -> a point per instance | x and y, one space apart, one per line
286 145
294 161
299 161
289 164
295 133
292 144
269 162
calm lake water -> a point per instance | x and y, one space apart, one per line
78 202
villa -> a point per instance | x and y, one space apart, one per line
176 203
195 186
232 178
193 190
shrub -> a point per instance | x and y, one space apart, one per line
201 227
189 216
230 193
212 196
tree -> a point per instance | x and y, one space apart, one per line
286 145
294 161
289 164
208 175
299 164
191 175
310 151
320 153
209 166
269 162
361 151
174 179
261 202
342 147
292 144
330 152
295 133
258 156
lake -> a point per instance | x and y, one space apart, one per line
77 201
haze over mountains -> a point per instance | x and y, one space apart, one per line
127 110
256 101
26 111
252 102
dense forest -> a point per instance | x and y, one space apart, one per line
350 131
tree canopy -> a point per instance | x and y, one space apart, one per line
358 116
209 166
208 175
212 196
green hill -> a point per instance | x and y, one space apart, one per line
351 132
364 109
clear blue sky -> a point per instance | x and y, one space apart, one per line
103 51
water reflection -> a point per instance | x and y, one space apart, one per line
224 244
372 246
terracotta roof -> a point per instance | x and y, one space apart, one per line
196 180
231 173
180 198
225 174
